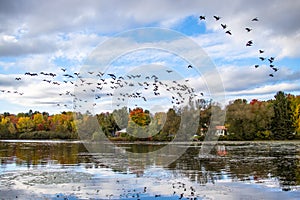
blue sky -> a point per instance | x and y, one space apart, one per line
46 37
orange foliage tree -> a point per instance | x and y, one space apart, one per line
140 117
138 123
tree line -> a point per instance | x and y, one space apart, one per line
276 119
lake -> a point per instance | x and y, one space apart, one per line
76 170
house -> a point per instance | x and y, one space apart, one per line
118 133
221 130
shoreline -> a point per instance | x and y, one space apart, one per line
148 142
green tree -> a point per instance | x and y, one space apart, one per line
107 123
211 114
236 119
249 121
282 123
171 125
121 117
189 122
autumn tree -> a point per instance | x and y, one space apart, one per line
138 123
140 117
295 107
7 127
39 122
62 122
25 124
86 126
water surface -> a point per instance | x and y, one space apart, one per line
67 170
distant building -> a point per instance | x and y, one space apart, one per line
118 133
221 130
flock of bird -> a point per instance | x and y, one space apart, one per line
249 43
100 84
134 86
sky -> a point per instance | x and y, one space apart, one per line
144 38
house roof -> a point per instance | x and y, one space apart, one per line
122 130
221 128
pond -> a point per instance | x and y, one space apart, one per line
71 170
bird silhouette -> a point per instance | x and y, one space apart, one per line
255 19
31 74
224 26
228 32
249 43
261 51
68 75
248 29
262 58
112 76
50 74
100 74
271 59
202 17
217 18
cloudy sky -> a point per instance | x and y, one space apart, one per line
45 37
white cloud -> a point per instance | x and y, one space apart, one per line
268 89
249 82
39 35
102 17
32 92
11 46
9 38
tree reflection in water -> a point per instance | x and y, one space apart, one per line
243 161
254 162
